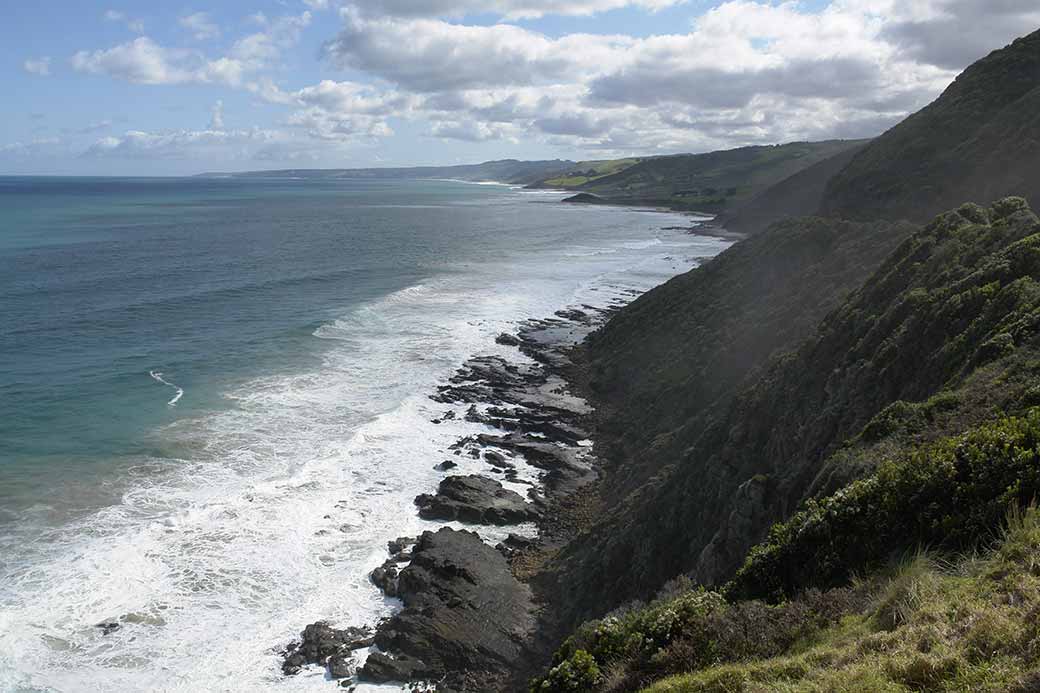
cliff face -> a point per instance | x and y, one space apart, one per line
732 394
950 299
665 367
979 141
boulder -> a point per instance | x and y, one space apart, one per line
475 499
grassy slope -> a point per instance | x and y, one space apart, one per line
587 171
970 625
980 140
964 623
703 182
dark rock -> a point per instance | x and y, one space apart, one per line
446 465
396 546
341 666
320 643
586 198
475 499
496 459
573 314
507 340
464 612
516 541
385 578
381 668
108 627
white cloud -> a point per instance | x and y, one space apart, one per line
143 61
40 67
134 25
509 9
240 148
427 55
216 121
180 144
201 25
745 72
471 131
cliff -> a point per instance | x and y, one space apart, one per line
823 396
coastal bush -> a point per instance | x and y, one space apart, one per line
694 630
578 673
952 494
935 625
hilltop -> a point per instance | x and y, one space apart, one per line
980 140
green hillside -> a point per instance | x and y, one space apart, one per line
710 182
819 449
979 141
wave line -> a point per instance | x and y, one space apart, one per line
180 391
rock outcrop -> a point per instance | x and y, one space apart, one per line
477 500
464 615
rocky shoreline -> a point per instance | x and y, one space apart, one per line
468 614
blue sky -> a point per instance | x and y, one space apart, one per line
135 88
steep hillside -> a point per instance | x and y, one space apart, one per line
710 182
954 308
980 140
794 197
666 365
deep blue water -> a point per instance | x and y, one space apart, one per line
213 400
206 281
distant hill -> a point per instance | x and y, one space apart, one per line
712 182
797 196
502 171
980 141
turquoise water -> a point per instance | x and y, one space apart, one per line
213 408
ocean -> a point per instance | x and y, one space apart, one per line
214 404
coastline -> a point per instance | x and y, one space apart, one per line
315 463
472 616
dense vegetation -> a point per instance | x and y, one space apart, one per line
710 182
952 309
954 494
979 141
961 624
783 427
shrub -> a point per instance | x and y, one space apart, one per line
576 674
952 494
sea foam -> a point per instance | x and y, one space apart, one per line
279 506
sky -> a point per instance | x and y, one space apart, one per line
144 88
